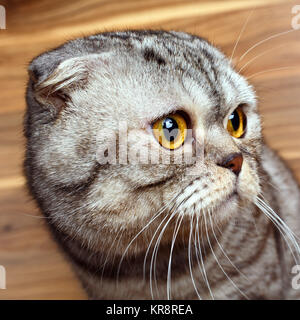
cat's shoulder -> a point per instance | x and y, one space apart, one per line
277 169
284 186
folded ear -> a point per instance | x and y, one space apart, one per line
52 85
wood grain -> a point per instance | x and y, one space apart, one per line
35 267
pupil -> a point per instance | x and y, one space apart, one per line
170 129
235 120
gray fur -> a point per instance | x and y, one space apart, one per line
88 86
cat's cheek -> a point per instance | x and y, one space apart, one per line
248 184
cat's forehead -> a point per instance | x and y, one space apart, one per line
142 74
154 75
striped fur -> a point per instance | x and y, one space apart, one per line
140 231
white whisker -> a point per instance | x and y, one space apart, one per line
276 216
149 246
257 56
265 40
198 250
119 233
217 260
190 258
155 252
175 233
202 262
282 227
36 217
241 33
268 70
161 210
221 248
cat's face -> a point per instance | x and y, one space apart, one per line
115 90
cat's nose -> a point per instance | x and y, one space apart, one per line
233 162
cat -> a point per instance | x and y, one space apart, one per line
223 223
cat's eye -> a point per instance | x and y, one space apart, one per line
171 131
236 124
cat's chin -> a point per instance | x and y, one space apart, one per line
229 201
226 208
220 211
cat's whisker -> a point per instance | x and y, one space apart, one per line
201 259
258 56
197 249
267 71
119 233
282 231
153 237
121 236
202 229
160 211
277 217
135 237
217 260
175 233
190 257
149 246
241 33
155 253
36 217
176 206
282 224
265 40
273 185
221 248
282 227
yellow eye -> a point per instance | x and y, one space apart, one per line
170 131
236 124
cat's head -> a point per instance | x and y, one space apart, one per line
97 102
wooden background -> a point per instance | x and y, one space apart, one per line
35 268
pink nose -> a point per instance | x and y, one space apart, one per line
233 162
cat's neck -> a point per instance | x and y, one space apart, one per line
211 263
